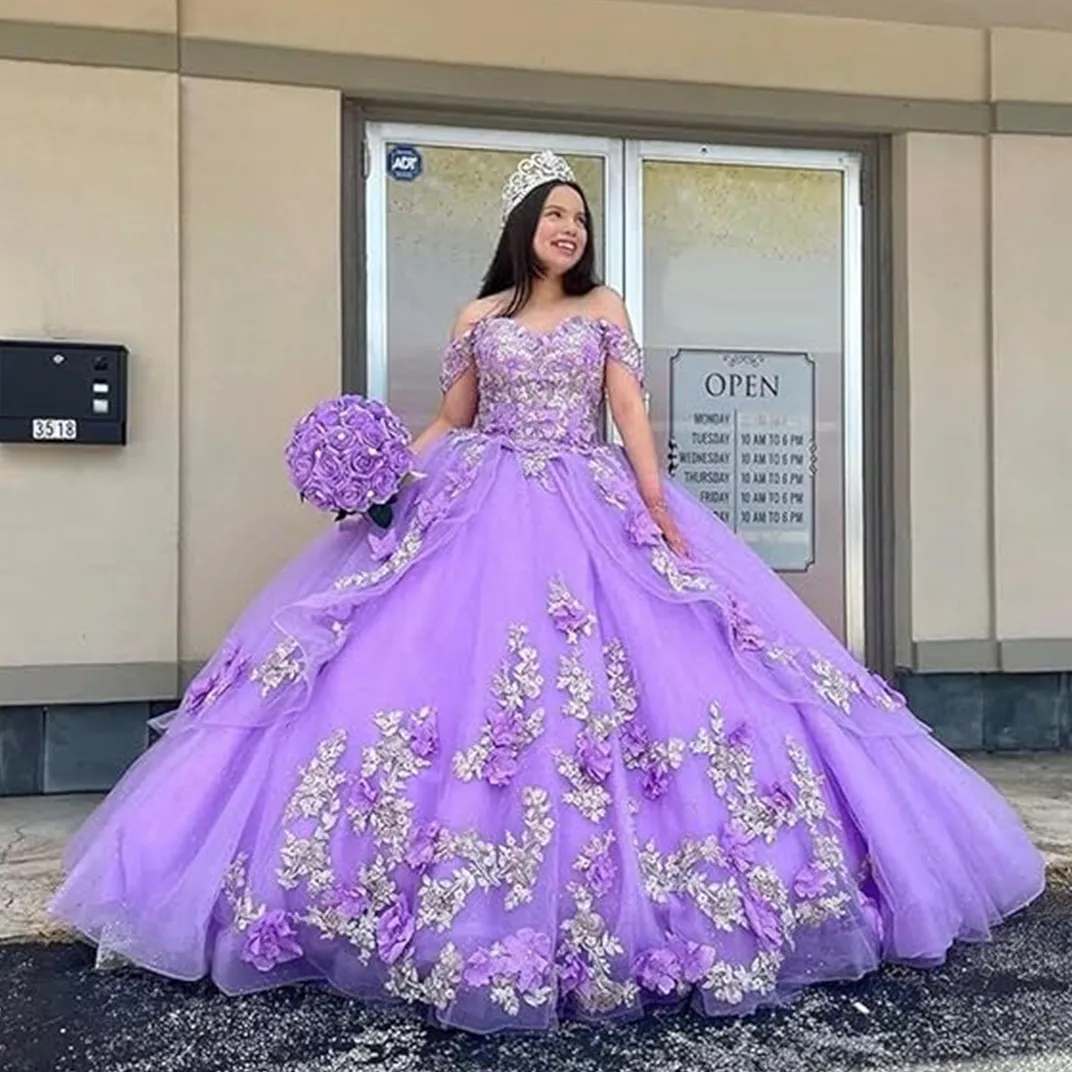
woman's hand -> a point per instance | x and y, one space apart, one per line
668 527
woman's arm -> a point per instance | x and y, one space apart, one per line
627 408
458 408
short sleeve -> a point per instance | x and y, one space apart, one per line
457 358
620 346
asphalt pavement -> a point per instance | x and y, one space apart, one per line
1001 1007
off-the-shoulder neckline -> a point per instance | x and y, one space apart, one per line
574 318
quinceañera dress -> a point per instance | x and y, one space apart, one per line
516 761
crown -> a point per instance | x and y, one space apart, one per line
532 172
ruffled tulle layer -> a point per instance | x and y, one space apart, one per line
526 764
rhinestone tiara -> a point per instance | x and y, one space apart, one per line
533 171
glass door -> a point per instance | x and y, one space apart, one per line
432 203
743 278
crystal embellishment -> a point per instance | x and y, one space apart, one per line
532 172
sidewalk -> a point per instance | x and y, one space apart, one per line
33 831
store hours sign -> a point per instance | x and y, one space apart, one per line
742 440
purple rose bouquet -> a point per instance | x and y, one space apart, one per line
351 455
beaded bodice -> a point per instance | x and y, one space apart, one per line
544 387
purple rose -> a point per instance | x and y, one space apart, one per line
593 756
656 781
504 729
350 903
342 442
635 741
328 472
481 968
526 957
695 960
364 795
811 881
270 941
424 736
350 498
423 845
500 767
382 547
372 435
573 971
400 458
395 931
601 874
301 469
362 464
641 528
658 970
384 485
764 923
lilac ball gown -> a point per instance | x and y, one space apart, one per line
515 761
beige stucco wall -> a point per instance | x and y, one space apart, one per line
686 42
945 283
1031 65
1032 214
152 15
90 249
89 231
261 330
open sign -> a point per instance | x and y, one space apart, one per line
404 163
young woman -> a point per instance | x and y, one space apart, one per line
557 745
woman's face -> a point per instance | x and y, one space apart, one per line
562 232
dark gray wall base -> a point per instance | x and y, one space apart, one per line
87 748
998 712
72 748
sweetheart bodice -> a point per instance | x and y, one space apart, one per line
541 387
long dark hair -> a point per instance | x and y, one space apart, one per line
515 264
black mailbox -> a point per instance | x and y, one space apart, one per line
62 392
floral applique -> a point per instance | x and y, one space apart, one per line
438 988
283 665
620 492
270 938
655 759
377 799
589 958
516 969
513 864
597 864
512 726
223 672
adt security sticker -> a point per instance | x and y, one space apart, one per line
404 163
